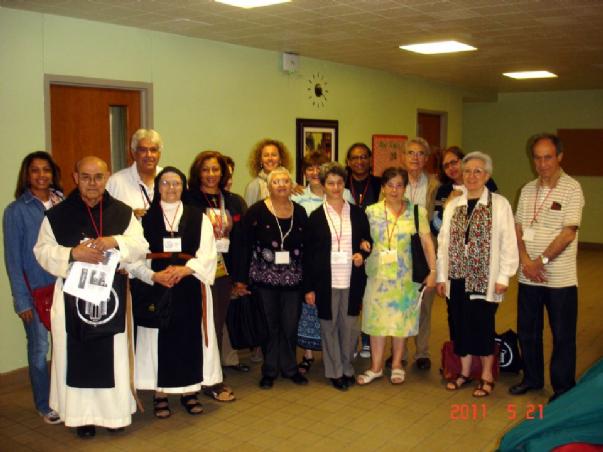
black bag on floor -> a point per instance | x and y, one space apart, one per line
246 322
510 358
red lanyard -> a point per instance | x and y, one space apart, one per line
537 211
337 235
99 232
216 218
171 224
362 195
390 235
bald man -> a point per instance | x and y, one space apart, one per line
90 375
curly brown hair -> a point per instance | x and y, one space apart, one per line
255 157
194 174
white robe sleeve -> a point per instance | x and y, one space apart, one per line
508 252
141 269
205 261
51 256
132 244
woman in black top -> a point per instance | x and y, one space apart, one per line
271 266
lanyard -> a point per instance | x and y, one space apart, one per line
283 237
216 219
337 235
362 196
171 224
99 232
537 211
146 201
390 235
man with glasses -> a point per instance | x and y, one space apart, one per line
134 185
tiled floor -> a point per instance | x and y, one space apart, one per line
413 416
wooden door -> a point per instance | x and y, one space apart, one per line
429 126
79 124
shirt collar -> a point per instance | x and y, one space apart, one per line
483 199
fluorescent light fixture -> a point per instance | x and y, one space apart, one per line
430 48
530 74
251 3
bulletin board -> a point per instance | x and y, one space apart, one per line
388 150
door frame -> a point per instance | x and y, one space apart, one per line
443 124
145 89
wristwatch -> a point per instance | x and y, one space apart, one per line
544 259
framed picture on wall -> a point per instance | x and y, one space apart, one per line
315 135
388 150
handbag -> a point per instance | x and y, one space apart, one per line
151 305
42 299
246 322
510 357
451 363
420 268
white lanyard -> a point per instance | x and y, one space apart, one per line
283 237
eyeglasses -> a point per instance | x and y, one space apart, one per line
281 181
89 178
474 172
144 149
418 154
451 163
171 183
357 158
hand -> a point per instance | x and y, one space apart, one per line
365 246
430 281
139 213
297 190
500 288
453 194
163 278
239 289
441 289
310 298
85 252
357 259
104 243
534 270
26 316
178 272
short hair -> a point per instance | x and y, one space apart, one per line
170 169
334 168
278 172
149 134
194 174
421 142
255 157
229 161
22 183
313 158
357 145
458 152
394 171
479 156
534 139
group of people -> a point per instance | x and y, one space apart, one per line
324 262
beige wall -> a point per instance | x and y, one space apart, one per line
502 128
206 95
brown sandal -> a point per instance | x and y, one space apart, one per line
481 391
219 392
454 384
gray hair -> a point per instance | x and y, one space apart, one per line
335 168
149 134
485 158
421 142
279 171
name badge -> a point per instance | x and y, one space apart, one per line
282 258
387 257
222 245
529 234
172 244
339 257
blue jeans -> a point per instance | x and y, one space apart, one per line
37 349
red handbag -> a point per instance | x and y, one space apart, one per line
451 363
42 298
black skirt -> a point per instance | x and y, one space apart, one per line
471 322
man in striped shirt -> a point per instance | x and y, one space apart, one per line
547 221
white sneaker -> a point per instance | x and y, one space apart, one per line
366 351
52 417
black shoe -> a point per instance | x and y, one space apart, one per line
86 431
299 379
238 367
522 388
349 381
339 383
116 430
423 363
266 382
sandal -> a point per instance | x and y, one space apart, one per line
305 365
219 392
397 376
481 391
161 408
454 384
191 404
368 376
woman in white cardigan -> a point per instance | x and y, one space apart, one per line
477 255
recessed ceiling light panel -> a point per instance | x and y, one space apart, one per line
431 48
251 3
530 74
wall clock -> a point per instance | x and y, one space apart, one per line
317 90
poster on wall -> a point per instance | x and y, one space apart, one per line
315 135
388 150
